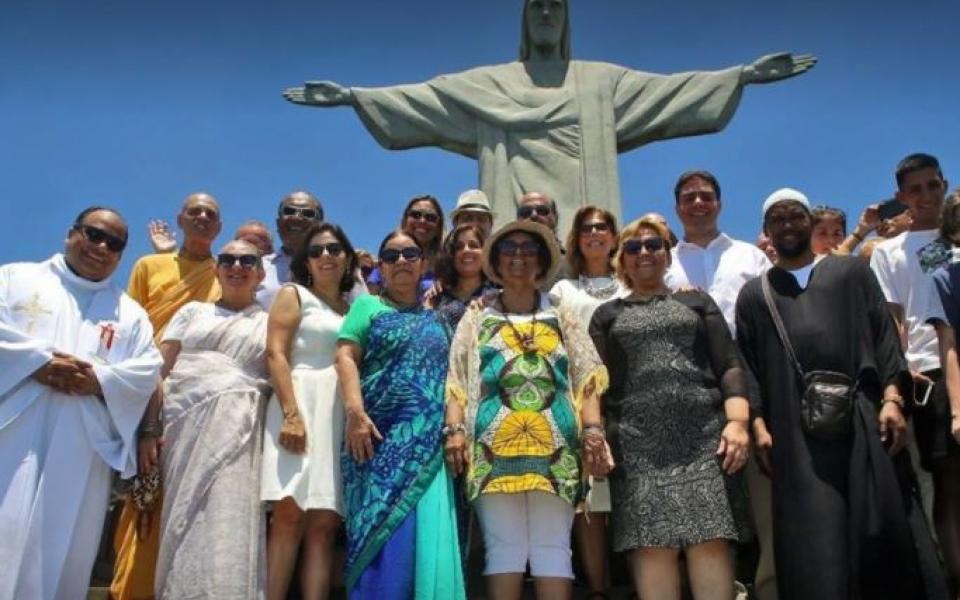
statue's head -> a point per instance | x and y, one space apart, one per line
545 24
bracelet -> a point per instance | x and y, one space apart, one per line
150 429
856 236
594 429
895 399
453 428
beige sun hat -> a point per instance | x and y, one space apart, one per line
472 201
533 228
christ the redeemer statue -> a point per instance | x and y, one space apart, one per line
546 123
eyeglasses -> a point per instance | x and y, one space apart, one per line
334 249
512 248
296 211
392 256
247 261
598 226
465 244
95 236
423 215
525 212
650 244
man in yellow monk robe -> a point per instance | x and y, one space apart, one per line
162 283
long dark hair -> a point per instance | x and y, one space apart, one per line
435 242
445 265
574 256
298 264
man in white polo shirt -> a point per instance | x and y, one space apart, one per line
714 262
706 258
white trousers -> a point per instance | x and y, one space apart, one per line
527 527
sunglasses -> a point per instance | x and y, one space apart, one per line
525 212
392 256
422 215
598 226
512 248
366 271
96 236
650 244
296 211
334 249
247 261
467 244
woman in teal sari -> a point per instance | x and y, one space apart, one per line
392 362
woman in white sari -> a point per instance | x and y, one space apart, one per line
213 397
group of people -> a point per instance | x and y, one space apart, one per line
664 396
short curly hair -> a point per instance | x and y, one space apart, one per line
633 230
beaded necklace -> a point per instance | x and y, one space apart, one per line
600 293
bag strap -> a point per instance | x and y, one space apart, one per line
778 322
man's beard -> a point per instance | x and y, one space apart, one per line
791 250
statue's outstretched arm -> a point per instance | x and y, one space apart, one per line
774 67
319 93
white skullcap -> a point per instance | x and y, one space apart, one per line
782 195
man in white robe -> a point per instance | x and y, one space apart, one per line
547 123
79 365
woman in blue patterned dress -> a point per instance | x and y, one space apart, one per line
392 362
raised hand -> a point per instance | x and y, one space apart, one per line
319 93
774 67
162 238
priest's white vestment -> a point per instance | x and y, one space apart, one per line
57 450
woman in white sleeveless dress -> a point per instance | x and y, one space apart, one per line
591 244
304 424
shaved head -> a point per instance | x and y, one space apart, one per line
199 219
199 198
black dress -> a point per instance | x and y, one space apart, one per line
839 515
672 363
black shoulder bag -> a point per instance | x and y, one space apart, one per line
826 406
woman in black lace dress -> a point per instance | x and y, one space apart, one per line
676 419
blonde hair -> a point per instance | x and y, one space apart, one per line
633 230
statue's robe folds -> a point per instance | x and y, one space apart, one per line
560 141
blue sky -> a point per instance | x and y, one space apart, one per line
137 103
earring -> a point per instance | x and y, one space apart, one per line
309 279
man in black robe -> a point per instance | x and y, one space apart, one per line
839 514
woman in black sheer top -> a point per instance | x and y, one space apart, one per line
676 419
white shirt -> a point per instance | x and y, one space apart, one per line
277 272
570 293
721 270
802 275
896 264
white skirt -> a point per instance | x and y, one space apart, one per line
312 479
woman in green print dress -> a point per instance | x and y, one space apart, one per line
522 404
